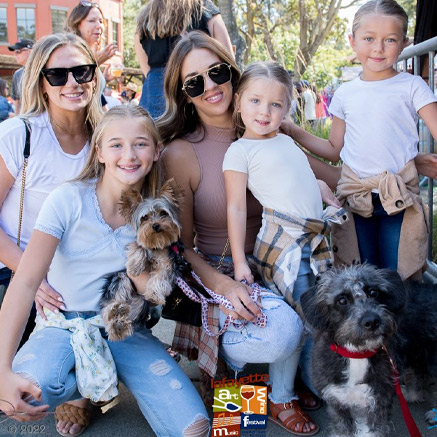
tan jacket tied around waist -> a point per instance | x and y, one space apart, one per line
397 192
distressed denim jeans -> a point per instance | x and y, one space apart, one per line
165 395
278 344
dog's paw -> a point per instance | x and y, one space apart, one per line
431 416
155 299
119 326
412 394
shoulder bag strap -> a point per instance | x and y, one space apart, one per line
26 154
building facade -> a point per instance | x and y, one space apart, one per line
34 19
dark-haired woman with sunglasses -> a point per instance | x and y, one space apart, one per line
61 107
159 25
197 129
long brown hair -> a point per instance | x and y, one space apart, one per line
167 18
180 117
94 169
77 15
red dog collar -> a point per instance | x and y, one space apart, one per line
349 354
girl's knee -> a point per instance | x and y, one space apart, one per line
199 428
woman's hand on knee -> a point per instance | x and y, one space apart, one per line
14 392
244 306
48 298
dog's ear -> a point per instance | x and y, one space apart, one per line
312 311
129 200
396 293
173 192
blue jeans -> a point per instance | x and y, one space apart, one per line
378 236
152 95
278 344
165 395
305 279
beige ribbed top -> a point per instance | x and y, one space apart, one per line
210 224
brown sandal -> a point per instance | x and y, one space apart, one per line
306 397
298 418
73 414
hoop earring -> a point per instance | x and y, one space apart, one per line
45 96
192 109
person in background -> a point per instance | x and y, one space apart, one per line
298 116
159 25
110 101
86 21
310 103
6 109
130 93
22 50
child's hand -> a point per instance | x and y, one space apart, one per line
426 164
15 392
327 195
242 271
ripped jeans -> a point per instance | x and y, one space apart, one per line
165 395
279 343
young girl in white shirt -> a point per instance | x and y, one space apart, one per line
374 133
79 238
291 246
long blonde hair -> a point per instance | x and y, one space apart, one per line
383 7
94 169
180 117
33 102
167 18
261 70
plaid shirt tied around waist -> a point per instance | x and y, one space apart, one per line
278 254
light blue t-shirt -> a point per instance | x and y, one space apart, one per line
89 249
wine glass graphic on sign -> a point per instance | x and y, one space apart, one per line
247 392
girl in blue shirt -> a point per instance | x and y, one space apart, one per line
80 235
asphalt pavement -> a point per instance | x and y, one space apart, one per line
125 419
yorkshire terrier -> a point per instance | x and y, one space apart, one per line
156 250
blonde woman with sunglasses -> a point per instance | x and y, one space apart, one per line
159 25
61 106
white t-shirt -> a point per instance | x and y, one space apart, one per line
89 249
279 175
48 167
380 117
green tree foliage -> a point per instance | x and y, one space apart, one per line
130 12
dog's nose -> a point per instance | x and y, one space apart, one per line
371 322
156 227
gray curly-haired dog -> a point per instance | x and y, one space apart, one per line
359 310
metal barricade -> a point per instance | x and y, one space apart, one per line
426 143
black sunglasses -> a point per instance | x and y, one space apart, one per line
59 76
89 4
219 74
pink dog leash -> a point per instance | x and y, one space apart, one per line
218 299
